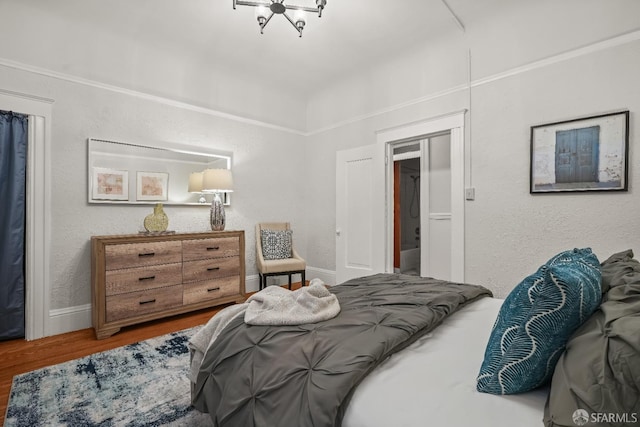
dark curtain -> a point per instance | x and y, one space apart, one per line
13 169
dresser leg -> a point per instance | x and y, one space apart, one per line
106 333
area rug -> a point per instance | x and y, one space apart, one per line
142 384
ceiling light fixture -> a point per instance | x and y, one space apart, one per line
266 9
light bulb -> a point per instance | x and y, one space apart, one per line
261 13
298 18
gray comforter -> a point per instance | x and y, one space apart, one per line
304 375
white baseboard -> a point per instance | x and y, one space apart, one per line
71 319
68 319
327 276
252 283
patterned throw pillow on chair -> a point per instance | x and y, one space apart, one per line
276 244
536 321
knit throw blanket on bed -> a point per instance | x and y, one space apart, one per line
278 306
271 306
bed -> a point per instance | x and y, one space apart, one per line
425 372
433 382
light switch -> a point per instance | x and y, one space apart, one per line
470 193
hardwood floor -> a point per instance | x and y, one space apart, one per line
20 356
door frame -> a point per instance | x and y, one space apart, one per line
453 123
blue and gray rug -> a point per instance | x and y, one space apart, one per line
142 384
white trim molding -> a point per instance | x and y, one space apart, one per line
252 283
554 59
612 42
142 95
69 319
454 123
327 276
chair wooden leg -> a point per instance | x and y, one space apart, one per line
303 283
289 281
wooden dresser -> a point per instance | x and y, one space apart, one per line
136 278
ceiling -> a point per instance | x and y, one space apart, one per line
351 35
205 53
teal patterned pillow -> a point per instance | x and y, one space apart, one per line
276 244
536 321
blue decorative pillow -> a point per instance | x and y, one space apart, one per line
536 321
276 244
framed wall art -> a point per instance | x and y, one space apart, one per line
109 184
152 186
581 155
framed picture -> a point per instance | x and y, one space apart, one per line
580 155
109 184
152 186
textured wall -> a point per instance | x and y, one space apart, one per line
264 163
285 176
508 231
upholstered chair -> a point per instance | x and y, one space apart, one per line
275 254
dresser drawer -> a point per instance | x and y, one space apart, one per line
208 269
142 254
142 278
132 304
210 289
210 248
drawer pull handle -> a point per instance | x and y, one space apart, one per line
151 301
213 289
213 268
147 254
213 248
147 278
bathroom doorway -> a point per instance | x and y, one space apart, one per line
407 212
422 189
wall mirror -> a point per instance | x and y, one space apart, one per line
126 173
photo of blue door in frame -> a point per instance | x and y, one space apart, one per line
577 155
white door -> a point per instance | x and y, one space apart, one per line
360 212
435 207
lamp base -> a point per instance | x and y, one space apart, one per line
217 218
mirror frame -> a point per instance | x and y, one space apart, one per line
126 166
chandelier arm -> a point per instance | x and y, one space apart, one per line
293 23
266 22
251 3
303 8
268 3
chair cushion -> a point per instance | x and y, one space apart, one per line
284 265
536 320
276 244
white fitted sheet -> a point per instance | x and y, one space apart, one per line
433 382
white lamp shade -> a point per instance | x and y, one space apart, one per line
217 181
195 182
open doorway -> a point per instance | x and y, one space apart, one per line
422 206
361 213
406 213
